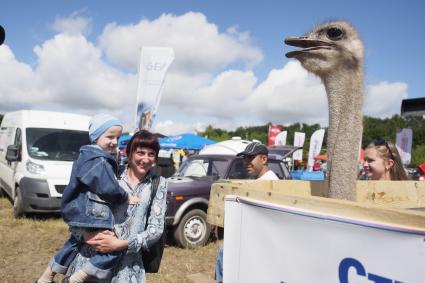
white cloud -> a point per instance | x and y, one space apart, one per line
71 71
384 99
223 96
290 95
73 74
169 127
76 23
198 44
18 84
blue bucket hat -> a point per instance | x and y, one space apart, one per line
101 123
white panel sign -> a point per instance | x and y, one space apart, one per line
154 64
265 242
404 144
299 139
281 138
316 141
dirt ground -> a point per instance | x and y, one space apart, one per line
26 245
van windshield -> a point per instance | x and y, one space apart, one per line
55 144
200 167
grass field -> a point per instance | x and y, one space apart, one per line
26 245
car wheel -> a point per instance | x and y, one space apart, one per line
18 205
193 230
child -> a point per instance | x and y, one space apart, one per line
88 199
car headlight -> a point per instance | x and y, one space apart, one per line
35 168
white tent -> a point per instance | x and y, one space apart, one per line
229 147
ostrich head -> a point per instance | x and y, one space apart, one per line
327 47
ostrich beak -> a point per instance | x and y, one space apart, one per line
307 45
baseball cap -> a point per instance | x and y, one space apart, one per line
254 148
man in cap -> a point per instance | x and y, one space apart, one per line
255 159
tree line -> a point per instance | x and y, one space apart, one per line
372 128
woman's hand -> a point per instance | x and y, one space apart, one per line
90 235
105 241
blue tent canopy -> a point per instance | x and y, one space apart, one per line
123 140
184 141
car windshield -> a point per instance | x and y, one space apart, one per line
281 152
55 144
200 167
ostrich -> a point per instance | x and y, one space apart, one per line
334 52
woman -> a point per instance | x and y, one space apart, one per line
130 233
382 162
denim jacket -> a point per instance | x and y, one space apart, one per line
92 190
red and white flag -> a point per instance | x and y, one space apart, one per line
274 130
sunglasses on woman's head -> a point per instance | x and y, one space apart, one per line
381 141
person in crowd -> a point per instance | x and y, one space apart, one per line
87 200
255 159
137 227
298 165
316 165
382 162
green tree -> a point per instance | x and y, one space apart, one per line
372 128
418 155
215 134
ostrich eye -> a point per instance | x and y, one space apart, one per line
334 33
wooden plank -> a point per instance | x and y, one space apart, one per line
371 195
400 194
293 187
200 278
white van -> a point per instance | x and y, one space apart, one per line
37 149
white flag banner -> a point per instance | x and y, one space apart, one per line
299 139
316 141
404 144
281 138
266 242
154 63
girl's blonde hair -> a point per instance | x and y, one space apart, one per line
388 150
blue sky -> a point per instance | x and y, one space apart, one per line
230 69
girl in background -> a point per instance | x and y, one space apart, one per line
382 162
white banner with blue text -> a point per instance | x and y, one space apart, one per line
154 63
272 243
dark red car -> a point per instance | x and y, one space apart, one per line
421 172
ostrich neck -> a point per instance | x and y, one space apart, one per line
344 89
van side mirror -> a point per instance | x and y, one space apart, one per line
12 153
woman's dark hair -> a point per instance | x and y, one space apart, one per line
142 138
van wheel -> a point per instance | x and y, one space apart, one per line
193 230
18 205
